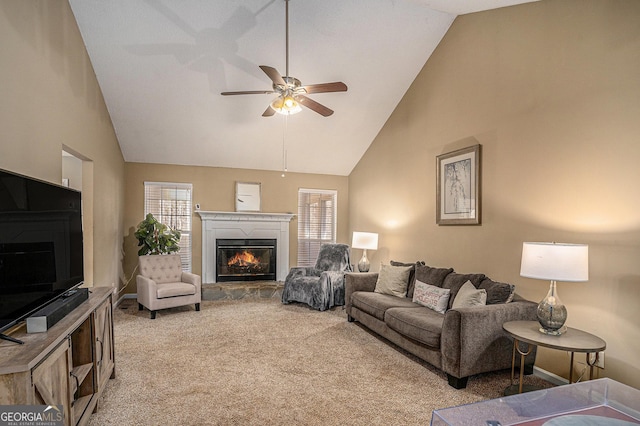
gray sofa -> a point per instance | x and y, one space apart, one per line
461 342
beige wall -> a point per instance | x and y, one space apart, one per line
551 91
214 190
49 99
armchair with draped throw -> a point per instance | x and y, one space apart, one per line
320 286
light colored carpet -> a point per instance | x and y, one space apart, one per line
258 362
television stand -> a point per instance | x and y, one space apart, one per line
11 339
68 365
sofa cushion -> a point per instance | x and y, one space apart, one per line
423 325
376 304
432 297
432 276
175 289
454 281
393 280
412 274
497 292
469 296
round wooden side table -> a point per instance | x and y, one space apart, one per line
573 340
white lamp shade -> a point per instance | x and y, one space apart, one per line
555 261
365 240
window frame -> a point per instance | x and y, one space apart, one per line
308 244
186 250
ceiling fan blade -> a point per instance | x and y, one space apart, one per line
313 105
273 74
249 92
337 86
268 112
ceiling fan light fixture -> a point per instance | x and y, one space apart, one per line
286 105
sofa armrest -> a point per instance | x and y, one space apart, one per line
188 277
147 290
473 340
302 271
358 282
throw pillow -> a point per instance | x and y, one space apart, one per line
432 276
412 275
469 296
432 297
454 281
498 292
393 280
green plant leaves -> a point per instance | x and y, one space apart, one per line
156 238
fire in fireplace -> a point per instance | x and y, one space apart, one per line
245 260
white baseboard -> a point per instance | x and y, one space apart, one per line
549 377
126 296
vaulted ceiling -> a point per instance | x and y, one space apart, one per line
162 64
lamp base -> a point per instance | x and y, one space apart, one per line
551 313
364 265
550 332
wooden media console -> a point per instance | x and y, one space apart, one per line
68 365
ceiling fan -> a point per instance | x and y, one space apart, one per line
291 93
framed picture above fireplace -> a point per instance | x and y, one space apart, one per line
248 197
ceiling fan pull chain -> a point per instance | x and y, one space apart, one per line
284 150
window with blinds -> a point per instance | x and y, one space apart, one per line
170 203
317 213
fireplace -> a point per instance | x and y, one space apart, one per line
245 259
243 225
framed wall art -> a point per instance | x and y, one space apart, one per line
248 197
458 187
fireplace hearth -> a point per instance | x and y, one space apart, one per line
246 259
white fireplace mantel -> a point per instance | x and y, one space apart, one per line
216 225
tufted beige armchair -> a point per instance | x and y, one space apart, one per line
162 284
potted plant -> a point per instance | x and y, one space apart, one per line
156 238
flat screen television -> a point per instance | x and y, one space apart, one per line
41 255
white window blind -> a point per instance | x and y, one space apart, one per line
170 203
317 213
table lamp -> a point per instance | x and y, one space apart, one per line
364 240
555 262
